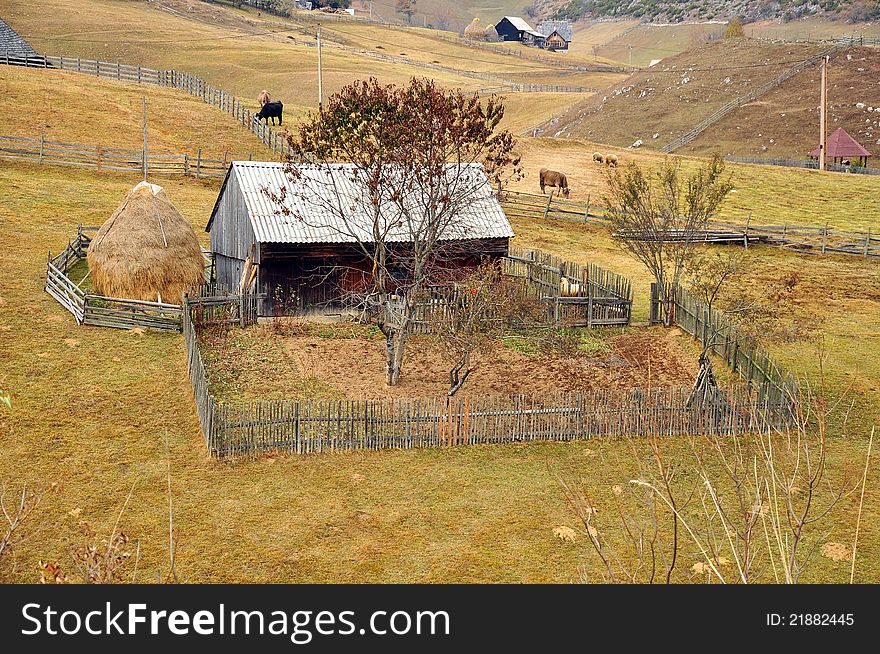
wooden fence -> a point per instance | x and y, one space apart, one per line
93 309
798 238
577 296
42 151
772 383
313 426
573 295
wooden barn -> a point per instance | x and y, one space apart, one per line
273 233
514 28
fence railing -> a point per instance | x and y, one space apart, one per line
187 82
810 164
797 238
743 355
725 109
313 426
99 157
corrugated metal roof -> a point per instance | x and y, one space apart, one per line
326 204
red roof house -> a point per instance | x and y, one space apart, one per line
843 147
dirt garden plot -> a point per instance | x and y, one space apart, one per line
322 362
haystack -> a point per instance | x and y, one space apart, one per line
490 33
146 250
474 30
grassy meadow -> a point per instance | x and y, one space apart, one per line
93 408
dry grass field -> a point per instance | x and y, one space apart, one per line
244 53
646 43
668 99
77 108
778 124
92 407
773 195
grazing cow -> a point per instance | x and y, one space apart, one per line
553 179
611 160
598 157
271 110
264 98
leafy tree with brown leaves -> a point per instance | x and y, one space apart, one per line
399 142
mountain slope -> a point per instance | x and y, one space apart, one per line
659 104
785 123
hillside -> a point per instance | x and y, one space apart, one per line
663 102
244 51
688 10
785 123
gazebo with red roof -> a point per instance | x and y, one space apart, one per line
842 147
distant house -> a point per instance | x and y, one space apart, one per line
558 34
514 28
843 148
304 260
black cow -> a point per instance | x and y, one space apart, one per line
271 110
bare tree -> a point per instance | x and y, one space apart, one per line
750 509
657 216
417 160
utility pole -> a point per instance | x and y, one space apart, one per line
320 73
145 138
823 112
630 55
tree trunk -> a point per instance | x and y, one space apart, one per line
395 346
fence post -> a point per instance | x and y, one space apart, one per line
824 237
42 140
100 152
746 233
199 164
185 165
867 242
547 208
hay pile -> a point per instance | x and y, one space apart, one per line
146 250
490 33
474 30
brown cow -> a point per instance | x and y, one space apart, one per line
264 98
553 179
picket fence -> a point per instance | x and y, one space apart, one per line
314 426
